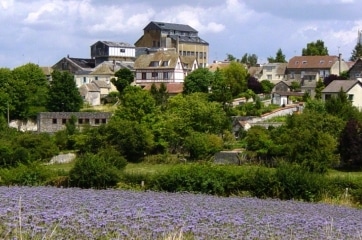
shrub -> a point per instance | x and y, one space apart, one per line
32 174
99 171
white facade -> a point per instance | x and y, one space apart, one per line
122 52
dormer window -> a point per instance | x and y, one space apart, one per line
165 63
122 50
304 62
154 63
321 61
297 62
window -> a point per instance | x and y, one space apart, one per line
269 76
165 63
327 96
55 121
350 97
96 121
122 50
86 121
96 77
154 64
304 62
154 43
104 120
80 121
84 79
165 75
292 75
143 75
357 75
154 74
64 121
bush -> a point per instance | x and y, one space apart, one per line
98 171
33 174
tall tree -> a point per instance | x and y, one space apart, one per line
63 93
318 90
250 60
255 85
220 91
357 52
198 81
315 49
279 57
124 78
236 78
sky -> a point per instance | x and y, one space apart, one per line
45 31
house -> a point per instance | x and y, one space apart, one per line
102 51
353 89
355 72
183 38
256 72
52 122
274 72
307 70
282 86
90 94
47 72
74 65
162 67
285 98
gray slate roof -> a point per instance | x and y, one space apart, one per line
336 85
116 44
169 26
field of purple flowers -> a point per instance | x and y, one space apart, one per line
55 213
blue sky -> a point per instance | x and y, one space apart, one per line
44 31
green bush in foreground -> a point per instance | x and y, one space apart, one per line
99 170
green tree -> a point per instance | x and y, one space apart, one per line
250 60
236 78
356 53
198 81
342 107
130 138
202 145
315 49
95 171
230 57
267 86
63 93
318 90
220 90
160 95
279 57
35 89
136 105
124 78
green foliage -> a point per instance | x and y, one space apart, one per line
341 107
356 53
267 86
33 174
201 178
198 81
160 95
279 57
236 78
97 170
124 77
295 86
318 90
249 59
136 105
63 93
315 49
131 139
258 141
203 146
220 89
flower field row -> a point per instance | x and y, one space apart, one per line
56 213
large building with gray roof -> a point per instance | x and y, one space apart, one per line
181 37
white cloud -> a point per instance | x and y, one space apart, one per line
6 4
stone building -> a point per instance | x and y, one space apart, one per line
181 37
55 121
